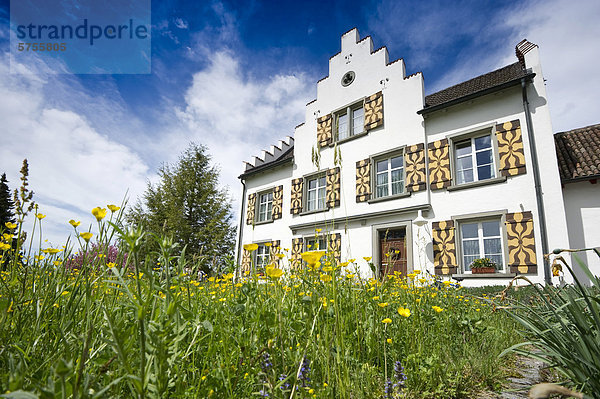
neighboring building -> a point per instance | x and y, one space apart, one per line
578 154
375 155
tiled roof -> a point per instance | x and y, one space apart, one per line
578 153
478 85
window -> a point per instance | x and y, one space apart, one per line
265 207
474 159
312 244
482 239
389 176
262 257
316 191
350 121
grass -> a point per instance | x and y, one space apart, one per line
154 328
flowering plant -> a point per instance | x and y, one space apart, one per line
483 263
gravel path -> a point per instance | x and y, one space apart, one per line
529 374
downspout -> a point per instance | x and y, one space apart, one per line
536 179
241 225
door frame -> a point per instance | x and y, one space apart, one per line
376 228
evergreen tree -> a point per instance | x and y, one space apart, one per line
188 204
6 204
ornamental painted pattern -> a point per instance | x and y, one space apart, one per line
439 164
277 202
363 180
333 187
296 197
444 247
297 246
374 111
521 243
274 249
335 246
250 210
324 130
510 148
414 161
246 261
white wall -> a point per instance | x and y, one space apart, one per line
582 205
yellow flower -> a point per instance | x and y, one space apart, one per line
4 246
312 257
99 213
403 312
387 320
367 258
437 309
51 251
113 208
416 271
268 244
251 247
274 272
280 256
318 230
351 260
382 304
389 340
86 236
327 268
64 293
10 225
447 283
39 257
349 276
325 278
40 216
74 223
110 265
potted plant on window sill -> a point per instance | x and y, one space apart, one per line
483 265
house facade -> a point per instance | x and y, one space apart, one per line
380 170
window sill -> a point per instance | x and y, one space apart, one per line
483 275
257 223
314 211
495 180
354 136
388 198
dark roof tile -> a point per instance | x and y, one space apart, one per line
480 83
578 153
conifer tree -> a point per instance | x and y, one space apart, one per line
6 204
188 204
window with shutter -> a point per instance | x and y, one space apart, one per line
521 243
439 165
510 148
414 159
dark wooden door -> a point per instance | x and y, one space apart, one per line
392 250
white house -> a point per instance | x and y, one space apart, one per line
378 169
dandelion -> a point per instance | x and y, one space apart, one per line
387 320
382 304
437 309
403 311
312 257
389 340
113 208
10 226
86 236
250 247
99 213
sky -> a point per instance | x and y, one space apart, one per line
235 76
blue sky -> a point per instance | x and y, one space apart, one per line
235 76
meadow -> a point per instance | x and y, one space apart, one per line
100 322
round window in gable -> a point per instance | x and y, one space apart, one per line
348 78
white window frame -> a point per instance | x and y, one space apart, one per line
260 254
311 241
268 214
473 155
480 240
388 157
319 205
350 111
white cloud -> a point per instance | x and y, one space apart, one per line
180 23
72 166
237 116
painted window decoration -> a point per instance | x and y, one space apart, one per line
474 159
316 191
265 207
389 176
350 121
482 239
